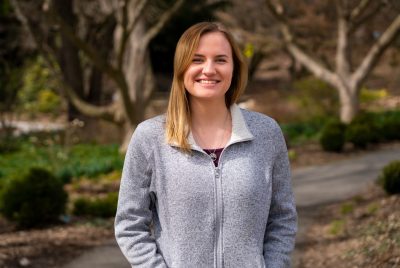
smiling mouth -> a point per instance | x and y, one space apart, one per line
208 82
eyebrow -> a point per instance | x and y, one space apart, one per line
218 56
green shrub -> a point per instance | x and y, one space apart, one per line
100 207
8 145
390 178
48 101
333 136
389 128
371 95
359 135
302 131
37 198
38 92
368 119
81 206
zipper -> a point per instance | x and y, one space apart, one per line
219 262
218 218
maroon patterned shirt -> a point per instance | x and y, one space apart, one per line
217 153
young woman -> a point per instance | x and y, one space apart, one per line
208 184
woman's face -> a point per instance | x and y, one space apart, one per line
209 75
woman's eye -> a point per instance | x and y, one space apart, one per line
197 60
221 60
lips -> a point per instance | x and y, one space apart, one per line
207 81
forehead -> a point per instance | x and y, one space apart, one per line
214 43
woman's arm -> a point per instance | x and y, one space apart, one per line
281 228
134 216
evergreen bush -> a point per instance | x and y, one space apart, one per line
34 199
390 178
359 135
368 120
390 128
333 136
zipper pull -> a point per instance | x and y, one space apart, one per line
217 172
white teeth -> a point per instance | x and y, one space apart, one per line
207 81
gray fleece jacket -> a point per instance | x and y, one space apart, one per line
240 214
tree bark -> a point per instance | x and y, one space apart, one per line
349 103
68 57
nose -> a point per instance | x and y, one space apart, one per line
209 68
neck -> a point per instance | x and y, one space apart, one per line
208 114
211 124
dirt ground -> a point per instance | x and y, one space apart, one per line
50 247
361 232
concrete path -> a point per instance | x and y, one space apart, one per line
313 187
106 256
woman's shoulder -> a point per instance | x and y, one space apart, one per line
259 120
152 127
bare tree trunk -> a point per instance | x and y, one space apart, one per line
349 103
127 130
68 57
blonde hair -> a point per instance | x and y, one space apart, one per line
178 118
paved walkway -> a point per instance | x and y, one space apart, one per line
313 187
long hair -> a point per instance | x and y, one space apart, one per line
178 117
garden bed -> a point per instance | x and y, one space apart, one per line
361 232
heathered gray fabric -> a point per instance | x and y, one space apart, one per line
176 193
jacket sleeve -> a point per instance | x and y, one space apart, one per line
134 216
281 228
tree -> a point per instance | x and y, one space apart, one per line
12 53
116 46
350 16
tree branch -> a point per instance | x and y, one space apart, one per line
115 74
128 26
359 10
125 34
24 21
138 13
312 65
155 29
43 47
342 47
104 112
376 51
90 51
299 54
361 19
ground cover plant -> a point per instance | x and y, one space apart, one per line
88 160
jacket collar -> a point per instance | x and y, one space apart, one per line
240 131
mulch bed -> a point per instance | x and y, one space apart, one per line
50 247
